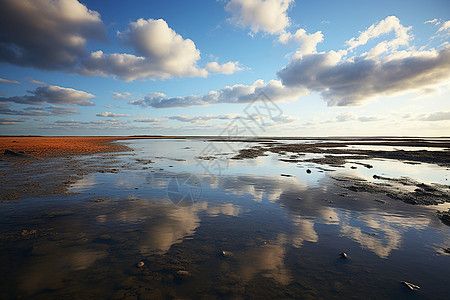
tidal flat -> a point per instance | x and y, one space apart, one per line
214 218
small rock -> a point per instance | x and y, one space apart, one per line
25 232
286 175
226 253
299 198
308 171
353 167
381 201
446 250
99 199
140 264
182 274
343 255
110 171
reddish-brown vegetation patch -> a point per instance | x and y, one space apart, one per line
62 146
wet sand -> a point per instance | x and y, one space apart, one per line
89 220
37 159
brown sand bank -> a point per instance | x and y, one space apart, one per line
63 146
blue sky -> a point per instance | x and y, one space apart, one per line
194 67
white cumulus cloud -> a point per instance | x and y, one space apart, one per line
226 68
238 93
343 82
160 53
445 26
260 15
389 24
307 42
121 96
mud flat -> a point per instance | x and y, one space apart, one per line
273 225
339 153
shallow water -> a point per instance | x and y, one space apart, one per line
281 235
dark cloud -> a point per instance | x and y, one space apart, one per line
53 110
352 82
53 94
9 121
47 34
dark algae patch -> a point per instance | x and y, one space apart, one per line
335 152
444 216
422 194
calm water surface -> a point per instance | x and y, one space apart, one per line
234 229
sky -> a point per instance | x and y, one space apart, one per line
251 67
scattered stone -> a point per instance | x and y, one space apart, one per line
411 163
364 165
308 171
69 182
206 157
26 232
287 175
353 167
99 199
411 286
110 171
226 253
299 198
343 255
62 213
446 250
140 264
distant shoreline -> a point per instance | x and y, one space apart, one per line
40 146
